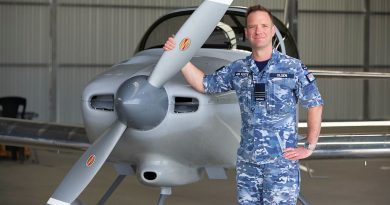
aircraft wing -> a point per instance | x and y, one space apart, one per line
43 135
359 139
349 74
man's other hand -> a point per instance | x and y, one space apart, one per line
296 153
169 44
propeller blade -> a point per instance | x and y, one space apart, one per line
189 39
87 166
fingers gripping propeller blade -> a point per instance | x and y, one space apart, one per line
87 166
189 39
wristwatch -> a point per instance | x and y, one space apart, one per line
309 146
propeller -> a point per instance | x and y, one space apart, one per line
87 166
191 37
141 103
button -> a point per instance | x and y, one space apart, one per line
252 109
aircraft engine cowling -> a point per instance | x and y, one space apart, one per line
164 172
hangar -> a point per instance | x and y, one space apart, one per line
50 50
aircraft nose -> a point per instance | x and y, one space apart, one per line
140 105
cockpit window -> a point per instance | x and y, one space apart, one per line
228 34
165 29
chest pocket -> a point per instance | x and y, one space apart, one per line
280 98
243 85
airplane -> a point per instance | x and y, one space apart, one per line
143 117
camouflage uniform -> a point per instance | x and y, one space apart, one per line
267 102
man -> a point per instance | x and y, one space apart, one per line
268 85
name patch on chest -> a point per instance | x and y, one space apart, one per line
241 74
281 75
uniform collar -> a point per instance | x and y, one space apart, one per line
253 67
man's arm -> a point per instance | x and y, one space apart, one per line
193 75
314 118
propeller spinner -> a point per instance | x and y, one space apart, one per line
140 105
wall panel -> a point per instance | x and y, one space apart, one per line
100 35
379 97
24 33
331 5
379 40
380 5
331 39
30 83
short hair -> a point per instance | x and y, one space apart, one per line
257 7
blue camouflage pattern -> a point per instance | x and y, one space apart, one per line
268 126
268 184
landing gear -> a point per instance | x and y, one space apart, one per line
123 170
165 192
77 202
112 188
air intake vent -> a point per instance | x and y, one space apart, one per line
186 104
103 102
150 175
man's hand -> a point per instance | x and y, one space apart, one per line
169 44
192 74
296 153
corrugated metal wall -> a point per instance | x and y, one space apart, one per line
379 50
24 54
93 35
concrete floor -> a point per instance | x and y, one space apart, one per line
331 182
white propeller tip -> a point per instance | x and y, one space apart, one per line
53 201
227 2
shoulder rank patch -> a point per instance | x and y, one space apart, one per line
310 77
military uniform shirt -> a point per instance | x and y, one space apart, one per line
268 123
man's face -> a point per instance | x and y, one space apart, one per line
259 30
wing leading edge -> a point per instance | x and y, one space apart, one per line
349 74
360 139
43 135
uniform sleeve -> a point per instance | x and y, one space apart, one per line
307 91
219 81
